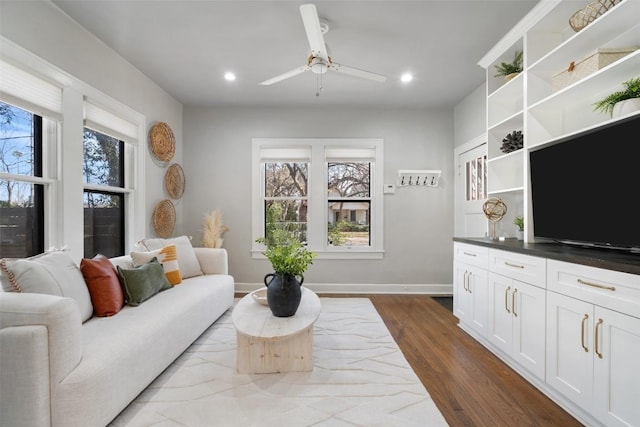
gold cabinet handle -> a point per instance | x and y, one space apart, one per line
513 301
595 285
464 281
597 343
514 265
506 299
584 321
469 254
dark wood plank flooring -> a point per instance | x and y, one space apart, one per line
469 385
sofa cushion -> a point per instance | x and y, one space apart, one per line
167 256
53 273
143 282
103 283
187 260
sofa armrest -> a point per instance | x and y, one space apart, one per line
212 260
24 377
61 318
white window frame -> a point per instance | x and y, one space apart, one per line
63 204
317 216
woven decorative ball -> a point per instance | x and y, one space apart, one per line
589 13
494 209
174 181
164 218
163 142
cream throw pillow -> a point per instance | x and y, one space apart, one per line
187 259
167 256
53 273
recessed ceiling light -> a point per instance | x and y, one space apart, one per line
406 77
229 76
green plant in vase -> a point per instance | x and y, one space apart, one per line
631 90
289 259
519 222
507 69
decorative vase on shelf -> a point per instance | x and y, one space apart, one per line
283 293
509 77
520 234
625 107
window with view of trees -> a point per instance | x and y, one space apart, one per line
21 195
103 176
349 203
328 192
285 201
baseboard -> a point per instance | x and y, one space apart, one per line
364 288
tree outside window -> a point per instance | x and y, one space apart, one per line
21 201
103 166
349 203
285 200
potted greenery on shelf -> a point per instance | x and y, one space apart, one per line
289 259
510 69
519 223
630 95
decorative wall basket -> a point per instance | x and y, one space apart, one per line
162 141
174 181
164 218
590 13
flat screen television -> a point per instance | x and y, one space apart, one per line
585 188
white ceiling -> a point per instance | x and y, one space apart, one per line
186 47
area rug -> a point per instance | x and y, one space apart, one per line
360 378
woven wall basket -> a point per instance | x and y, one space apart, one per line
162 141
164 218
174 181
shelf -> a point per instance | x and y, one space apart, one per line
506 173
607 31
572 108
506 101
497 133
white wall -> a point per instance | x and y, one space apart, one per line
418 221
42 29
470 116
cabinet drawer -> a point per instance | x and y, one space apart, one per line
471 254
611 289
525 268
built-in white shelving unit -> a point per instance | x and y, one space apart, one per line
529 102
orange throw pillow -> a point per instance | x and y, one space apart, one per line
102 280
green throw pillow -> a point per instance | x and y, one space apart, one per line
141 283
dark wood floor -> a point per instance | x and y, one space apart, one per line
469 385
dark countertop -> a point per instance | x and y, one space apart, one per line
609 259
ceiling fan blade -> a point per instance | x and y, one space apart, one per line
314 32
358 73
286 75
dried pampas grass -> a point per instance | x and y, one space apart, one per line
213 229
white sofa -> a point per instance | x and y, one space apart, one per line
57 371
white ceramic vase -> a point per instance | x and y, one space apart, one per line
625 107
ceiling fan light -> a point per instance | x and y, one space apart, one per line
319 67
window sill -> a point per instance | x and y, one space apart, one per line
336 254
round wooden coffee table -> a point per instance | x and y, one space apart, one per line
270 344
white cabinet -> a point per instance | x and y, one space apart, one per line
470 286
517 309
592 350
517 320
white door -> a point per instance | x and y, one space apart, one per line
471 189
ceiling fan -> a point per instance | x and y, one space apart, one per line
319 61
